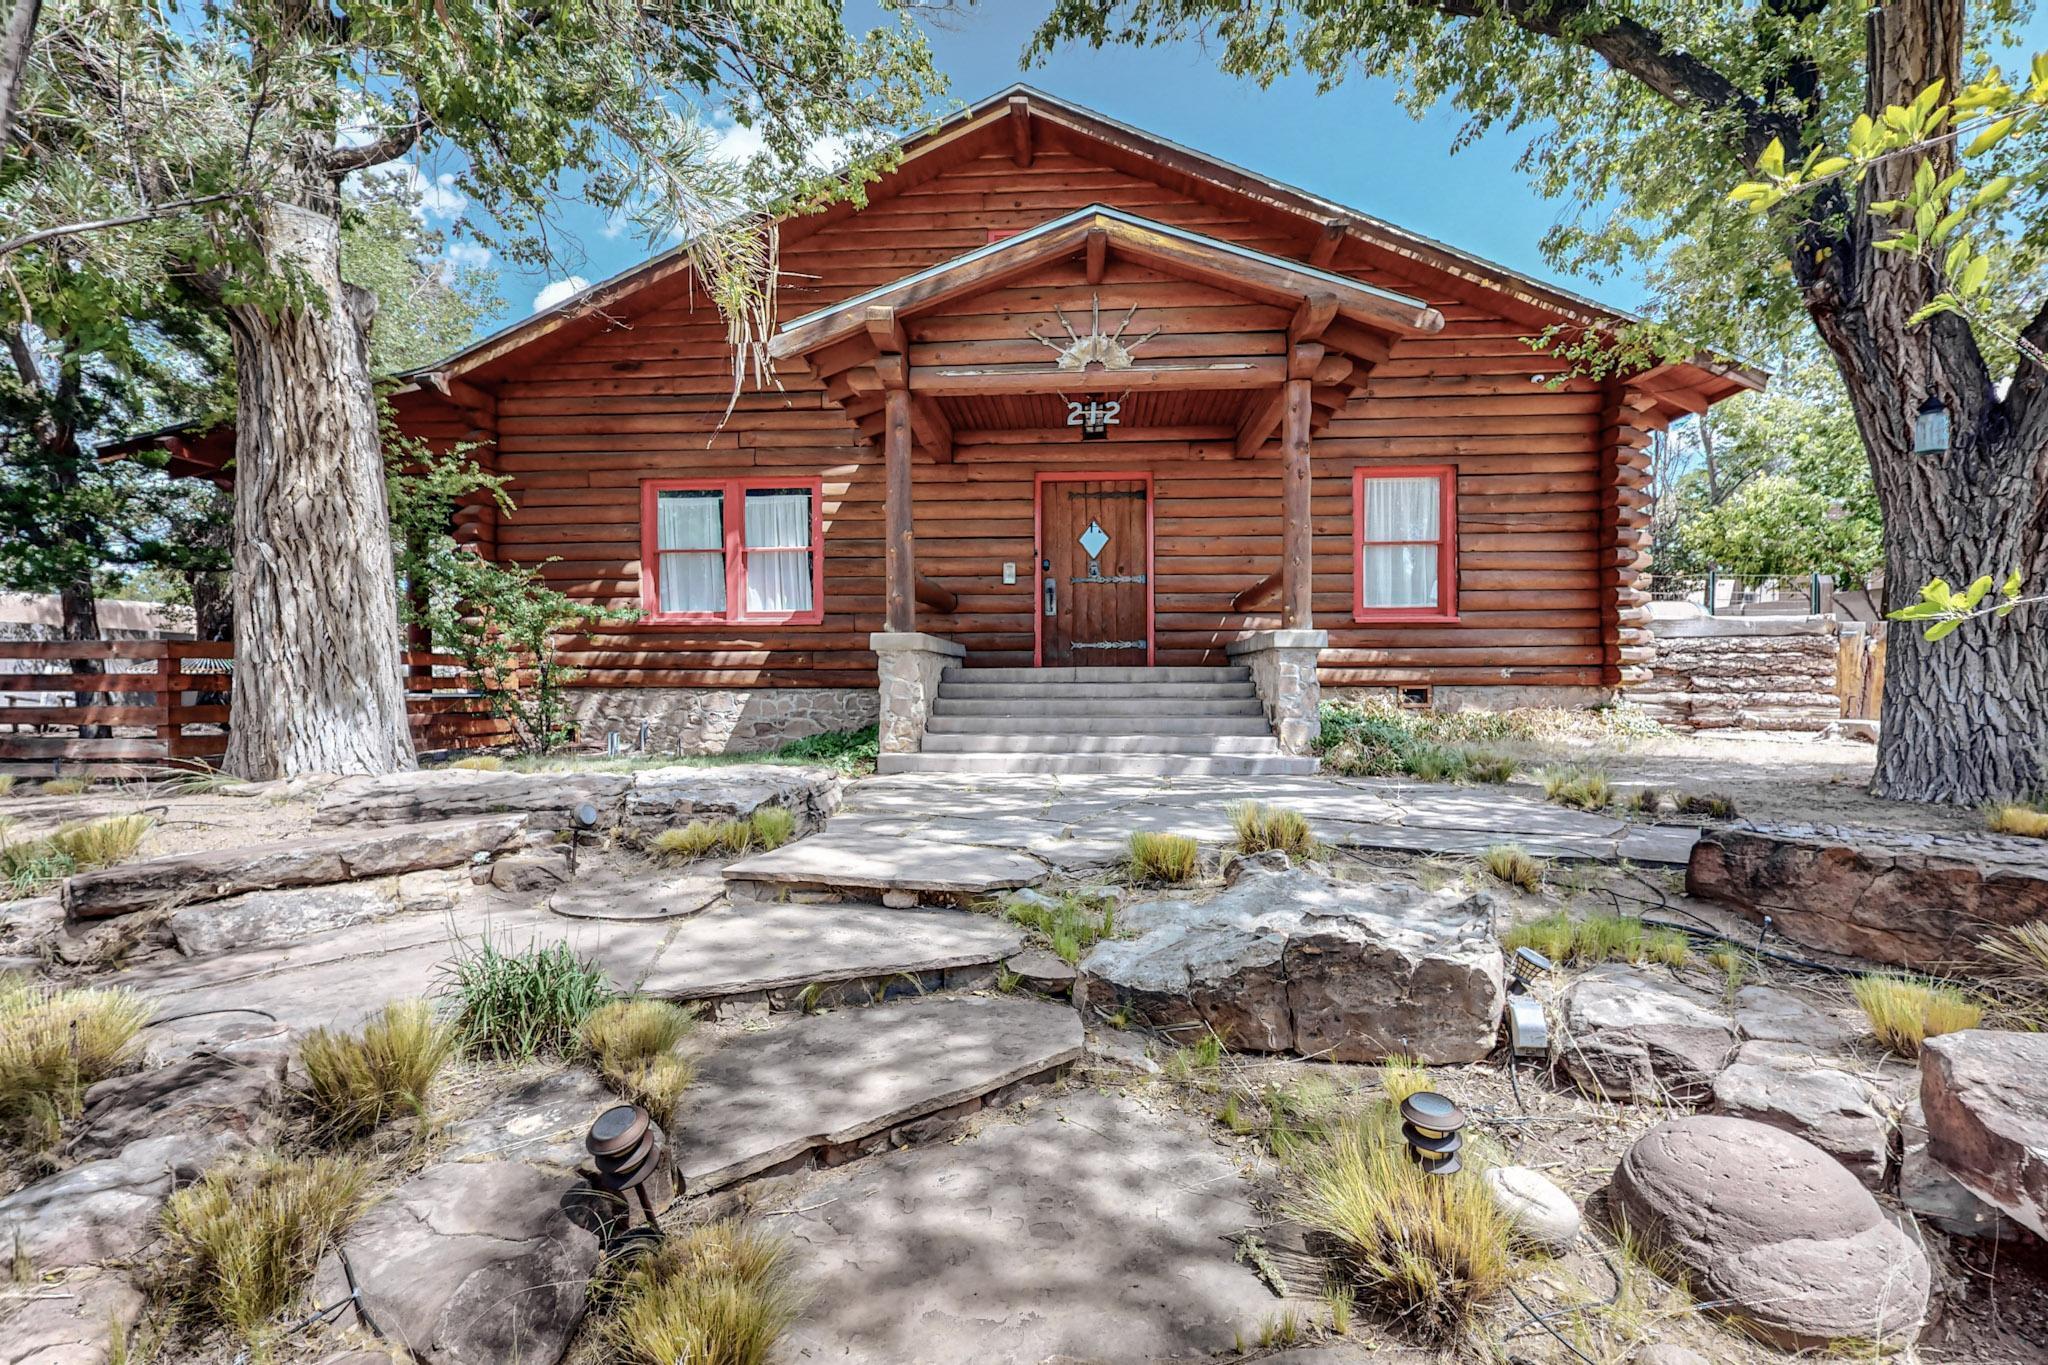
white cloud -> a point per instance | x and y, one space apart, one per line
467 255
735 143
433 196
555 291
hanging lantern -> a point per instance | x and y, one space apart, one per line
1930 428
1430 1124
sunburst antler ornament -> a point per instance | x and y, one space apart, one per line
1110 351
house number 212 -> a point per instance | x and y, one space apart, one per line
1093 412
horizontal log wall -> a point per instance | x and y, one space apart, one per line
578 430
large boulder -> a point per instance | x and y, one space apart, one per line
1773 1231
1789 1088
1934 1196
661 797
106 1209
1629 1035
227 1092
1900 896
1288 959
1985 1094
263 919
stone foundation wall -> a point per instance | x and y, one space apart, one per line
707 720
1743 673
1283 666
911 664
1506 697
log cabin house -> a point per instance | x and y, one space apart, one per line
1084 452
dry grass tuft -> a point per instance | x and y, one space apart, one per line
769 827
1904 1013
1515 865
6 784
1260 829
1401 1077
53 1044
357 1080
1171 858
685 843
1484 765
101 843
1599 938
2023 952
1580 788
634 1044
719 1294
63 786
480 763
245 1238
2028 822
1428 1251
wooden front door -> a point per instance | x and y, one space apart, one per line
1094 570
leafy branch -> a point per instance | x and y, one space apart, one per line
1948 609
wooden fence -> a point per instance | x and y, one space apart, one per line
165 701
1859 677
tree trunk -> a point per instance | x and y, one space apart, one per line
316 679
1965 719
17 38
79 610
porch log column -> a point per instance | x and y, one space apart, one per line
900 550
1297 541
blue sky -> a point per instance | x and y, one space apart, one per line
1353 145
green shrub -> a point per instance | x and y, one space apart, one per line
525 1003
1169 858
717 1293
54 1043
1072 923
1437 763
773 826
846 751
357 1080
245 1238
30 866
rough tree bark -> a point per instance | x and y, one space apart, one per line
1965 718
316 679
17 35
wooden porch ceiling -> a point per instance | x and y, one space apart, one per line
1320 327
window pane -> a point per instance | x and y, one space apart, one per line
1399 576
778 581
1401 509
778 517
690 519
692 582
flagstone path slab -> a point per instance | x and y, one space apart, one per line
750 949
1093 1230
836 1085
857 860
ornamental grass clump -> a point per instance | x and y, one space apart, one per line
1579 788
633 1043
54 1043
769 827
1164 858
1425 1250
1599 938
244 1239
2028 822
62 786
522 1004
355 1081
1072 922
1905 1012
1261 829
1514 865
29 866
715 1294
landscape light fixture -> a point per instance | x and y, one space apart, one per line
582 818
625 1144
1930 428
1430 1125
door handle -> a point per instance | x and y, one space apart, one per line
1052 595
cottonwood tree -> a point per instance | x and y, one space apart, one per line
1644 114
212 142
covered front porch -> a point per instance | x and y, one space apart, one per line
1097 439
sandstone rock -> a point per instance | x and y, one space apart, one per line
263 918
1903 897
1040 971
1789 1088
74 1326
1985 1095
434 794
208 1093
662 797
474 1262
1629 1036
1287 959
1933 1195
1540 1212
216 874
543 1120
106 1209
529 872
1765 1014
1774 1230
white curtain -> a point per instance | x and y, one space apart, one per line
691 520
778 540
1401 575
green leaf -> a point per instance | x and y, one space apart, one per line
1989 138
1938 590
1919 611
1941 630
1771 161
1976 592
1935 307
1974 275
1991 191
1750 190
2012 585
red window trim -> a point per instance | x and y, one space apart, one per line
733 521
1446 608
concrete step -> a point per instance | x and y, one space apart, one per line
1140 765
1101 725
1233 673
831 1087
963 690
1096 706
1026 743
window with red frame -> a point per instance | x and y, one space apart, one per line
731 550
1405 523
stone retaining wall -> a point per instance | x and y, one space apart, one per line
710 720
1743 673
